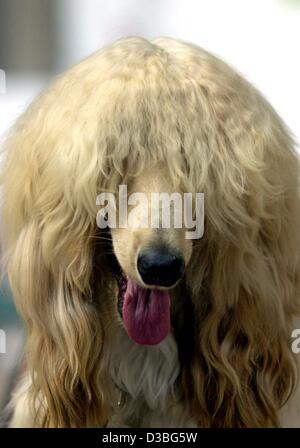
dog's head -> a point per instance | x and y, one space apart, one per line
158 117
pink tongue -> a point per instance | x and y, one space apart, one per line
146 316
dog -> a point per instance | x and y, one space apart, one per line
139 326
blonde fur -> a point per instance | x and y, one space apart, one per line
133 104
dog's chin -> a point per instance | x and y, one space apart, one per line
145 310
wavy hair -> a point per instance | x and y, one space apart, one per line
130 104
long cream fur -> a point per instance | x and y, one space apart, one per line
132 104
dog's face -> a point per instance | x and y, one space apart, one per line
153 259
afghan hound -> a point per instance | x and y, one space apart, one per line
139 326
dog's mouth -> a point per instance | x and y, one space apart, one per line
145 312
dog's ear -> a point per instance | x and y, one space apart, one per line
66 335
50 181
244 275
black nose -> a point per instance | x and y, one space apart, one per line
160 266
